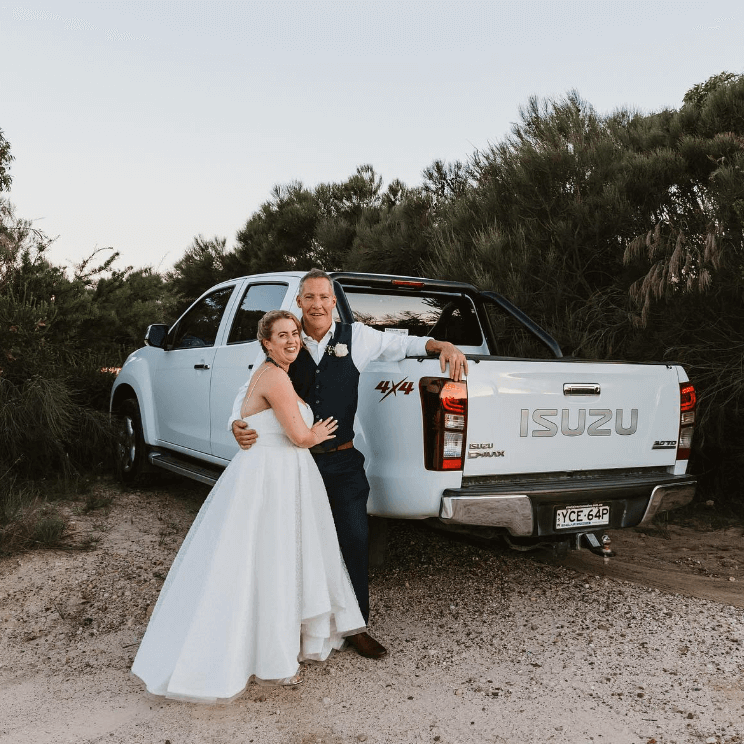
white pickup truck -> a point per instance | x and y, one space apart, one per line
543 450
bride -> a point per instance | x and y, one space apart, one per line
259 583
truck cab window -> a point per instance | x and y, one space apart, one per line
198 328
446 317
257 301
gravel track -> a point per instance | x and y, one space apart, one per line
485 646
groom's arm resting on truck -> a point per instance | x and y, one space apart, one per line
449 357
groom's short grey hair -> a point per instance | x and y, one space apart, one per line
316 274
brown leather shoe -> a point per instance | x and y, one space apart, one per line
367 646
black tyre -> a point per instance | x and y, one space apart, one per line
131 451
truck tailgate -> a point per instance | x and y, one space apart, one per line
530 416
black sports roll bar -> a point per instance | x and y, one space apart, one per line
525 320
353 279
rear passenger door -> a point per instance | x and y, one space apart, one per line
235 358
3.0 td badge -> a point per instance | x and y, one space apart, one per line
665 444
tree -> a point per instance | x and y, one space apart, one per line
123 303
394 238
58 337
698 94
542 218
342 207
46 426
299 228
690 267
446 181
5 160
694 238
202 266
280 235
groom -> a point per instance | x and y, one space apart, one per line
326 376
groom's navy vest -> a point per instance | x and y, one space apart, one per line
330 388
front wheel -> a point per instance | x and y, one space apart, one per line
131 451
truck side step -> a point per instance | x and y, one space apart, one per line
185 467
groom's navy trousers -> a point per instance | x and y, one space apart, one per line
348 490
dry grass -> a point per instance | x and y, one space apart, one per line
27 519
33 514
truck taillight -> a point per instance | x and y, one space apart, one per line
445 407
687 402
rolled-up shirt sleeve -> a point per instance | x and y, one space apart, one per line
369 345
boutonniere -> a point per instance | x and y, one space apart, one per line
339 350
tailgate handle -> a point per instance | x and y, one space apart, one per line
581 388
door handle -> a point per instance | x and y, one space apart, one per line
201 366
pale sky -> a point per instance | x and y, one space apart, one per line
140 125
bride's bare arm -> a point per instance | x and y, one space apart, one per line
277 390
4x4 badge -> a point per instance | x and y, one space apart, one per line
388 386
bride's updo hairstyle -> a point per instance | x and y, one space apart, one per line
266 325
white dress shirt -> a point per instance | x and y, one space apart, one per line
367 345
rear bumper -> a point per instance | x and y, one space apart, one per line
528 509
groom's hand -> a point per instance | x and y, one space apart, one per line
449 355
244 436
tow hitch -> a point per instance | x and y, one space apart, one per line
599 546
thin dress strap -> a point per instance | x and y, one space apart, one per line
250 392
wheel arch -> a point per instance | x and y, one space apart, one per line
125 390
120 394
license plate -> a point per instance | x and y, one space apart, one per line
589 515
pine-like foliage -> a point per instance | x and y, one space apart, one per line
200 268
61 339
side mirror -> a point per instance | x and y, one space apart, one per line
155 335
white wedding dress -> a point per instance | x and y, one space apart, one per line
258 584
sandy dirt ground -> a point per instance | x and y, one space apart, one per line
486 645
